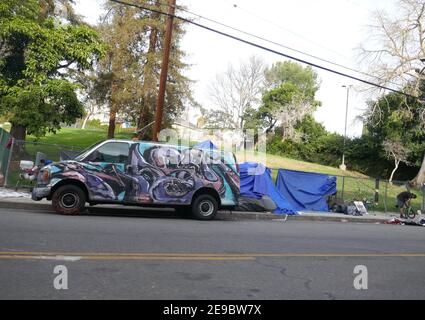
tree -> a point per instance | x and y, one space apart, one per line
305 78
290 99
394 53
59 8
37 57
133 63
119 69
398 120
397 152
281 105
236 90
95 92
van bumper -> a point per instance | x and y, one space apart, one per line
39 193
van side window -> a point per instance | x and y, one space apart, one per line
112 152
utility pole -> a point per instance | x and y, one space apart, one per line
164 69
343 166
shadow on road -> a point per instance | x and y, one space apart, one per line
137 212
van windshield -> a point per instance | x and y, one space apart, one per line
86 151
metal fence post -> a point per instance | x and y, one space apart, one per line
377 190
8 163
343 187
385 197
1 135
1 142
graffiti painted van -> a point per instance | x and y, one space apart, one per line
142 174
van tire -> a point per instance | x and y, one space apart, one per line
69 200
204 207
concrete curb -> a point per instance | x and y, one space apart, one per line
306 217
10 204
27 204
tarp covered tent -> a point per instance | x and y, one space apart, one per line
256 182
306 191
207 144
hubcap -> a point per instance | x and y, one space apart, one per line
69 200
206 208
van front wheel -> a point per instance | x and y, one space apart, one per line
204 207
69 200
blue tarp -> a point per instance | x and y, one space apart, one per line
306 191
207 144
256 181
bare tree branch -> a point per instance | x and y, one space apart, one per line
237 89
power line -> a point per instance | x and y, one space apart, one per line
237 6
277 44
265 48
281 45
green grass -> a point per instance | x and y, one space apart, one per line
79 138
276 162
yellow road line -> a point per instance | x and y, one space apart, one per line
110 257
193 256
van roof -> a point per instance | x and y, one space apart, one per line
160 143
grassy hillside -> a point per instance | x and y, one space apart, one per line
277 162
79 138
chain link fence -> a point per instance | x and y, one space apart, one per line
32 151
5 140
378 195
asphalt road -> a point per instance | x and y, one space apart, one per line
157 256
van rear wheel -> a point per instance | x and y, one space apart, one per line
204 207
69 200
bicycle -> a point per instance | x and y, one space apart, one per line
409 213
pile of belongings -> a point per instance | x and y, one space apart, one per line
355 208
417 221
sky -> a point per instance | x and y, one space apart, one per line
329 29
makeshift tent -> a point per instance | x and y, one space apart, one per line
256 182
207 144
306 191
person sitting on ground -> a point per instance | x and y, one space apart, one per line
403 201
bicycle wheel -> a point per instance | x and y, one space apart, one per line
410 213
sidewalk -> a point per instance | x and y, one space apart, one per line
22 200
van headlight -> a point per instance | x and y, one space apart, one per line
44 176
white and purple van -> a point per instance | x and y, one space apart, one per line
142 174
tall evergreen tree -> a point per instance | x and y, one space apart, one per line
133 64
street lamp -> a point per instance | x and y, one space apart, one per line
343 166
423 185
